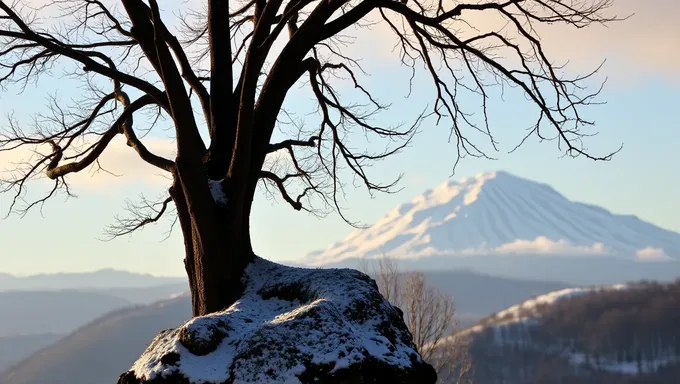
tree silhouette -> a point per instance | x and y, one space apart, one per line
222 83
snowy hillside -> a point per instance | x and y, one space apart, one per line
529 310
625 333
496 213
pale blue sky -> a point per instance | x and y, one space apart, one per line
643 96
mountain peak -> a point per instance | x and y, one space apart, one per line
498 212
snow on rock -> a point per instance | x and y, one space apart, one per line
217 192
293 326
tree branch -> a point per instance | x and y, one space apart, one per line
221 84
54 170
282 188
83 57
288 144
139 218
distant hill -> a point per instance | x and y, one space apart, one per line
110 344
574 270
16 348
32 320
626 333
145 295
106 278
477 295
60 312
104 348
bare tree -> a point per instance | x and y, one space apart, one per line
429 315
453 361
218 77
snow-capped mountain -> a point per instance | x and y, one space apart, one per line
497 213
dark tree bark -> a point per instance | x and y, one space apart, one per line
242 105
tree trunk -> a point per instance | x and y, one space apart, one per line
217 250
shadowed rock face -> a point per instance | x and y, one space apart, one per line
369 371
292 325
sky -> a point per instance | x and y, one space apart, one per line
642 94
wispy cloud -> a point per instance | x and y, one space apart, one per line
538 246
121 165
646 43
543 245
652 254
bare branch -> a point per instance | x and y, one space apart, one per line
140 215
288 144
54 170
282 188
54 47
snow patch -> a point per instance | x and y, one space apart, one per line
287 319
217 192
474 191
519 312
623 367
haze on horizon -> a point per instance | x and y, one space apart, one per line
641 95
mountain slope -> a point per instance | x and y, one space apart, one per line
28 317
146 295
477 295
39 312
16 348
105 348
496 213
612 334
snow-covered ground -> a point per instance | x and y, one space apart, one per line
625 367
526 314
496 213
287 320
527 311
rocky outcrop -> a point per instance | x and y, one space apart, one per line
292 325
